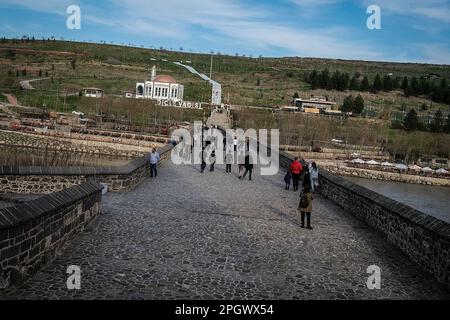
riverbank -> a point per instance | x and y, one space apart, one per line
432 200
340 168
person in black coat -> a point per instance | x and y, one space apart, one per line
248 167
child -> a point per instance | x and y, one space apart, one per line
305 206
212 160
287 179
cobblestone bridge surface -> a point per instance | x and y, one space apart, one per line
186 235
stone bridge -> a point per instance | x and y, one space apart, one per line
187 235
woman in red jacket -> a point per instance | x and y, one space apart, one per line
296 169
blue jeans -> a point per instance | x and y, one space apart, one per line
153 169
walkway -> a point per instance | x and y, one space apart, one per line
211 236
26 85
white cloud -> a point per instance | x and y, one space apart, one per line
8 28
435 53
241 26
431 9
246 26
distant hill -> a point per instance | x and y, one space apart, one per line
259 81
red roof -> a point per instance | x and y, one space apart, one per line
165 79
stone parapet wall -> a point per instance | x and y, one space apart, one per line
32 233
79 145
423 238
31 180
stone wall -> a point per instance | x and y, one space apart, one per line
423 238
31 180
33 232
78 144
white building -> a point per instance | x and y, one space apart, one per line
92 92
162 87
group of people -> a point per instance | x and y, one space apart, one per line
310 181
245 164
296 169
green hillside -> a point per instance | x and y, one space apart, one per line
245 81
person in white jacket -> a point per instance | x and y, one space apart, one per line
314 175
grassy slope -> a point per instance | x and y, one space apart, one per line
279 79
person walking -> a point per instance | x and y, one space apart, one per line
306 178
235 143
248 167
228 162
241 164
212 161
203 162
287 179
305 206
154 159
296 169
314 176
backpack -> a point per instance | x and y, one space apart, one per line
303 201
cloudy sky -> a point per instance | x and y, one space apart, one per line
411 30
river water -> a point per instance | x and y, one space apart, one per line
432 200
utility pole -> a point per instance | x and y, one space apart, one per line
210 68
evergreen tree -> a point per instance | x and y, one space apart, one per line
405 83
411 121
314 80
358 105
387 83
354 85
325 79
408 91
425 83
364 84
343 82
440 93
377 84
414 86
335 79
447 127
438 121
396 83
348 103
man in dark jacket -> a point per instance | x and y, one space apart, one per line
248 167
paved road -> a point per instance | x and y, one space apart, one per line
212 236
26 85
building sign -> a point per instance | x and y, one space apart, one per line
216 96
180 104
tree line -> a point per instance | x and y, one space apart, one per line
412 122
438 91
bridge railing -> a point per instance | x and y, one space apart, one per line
36 179
32 233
